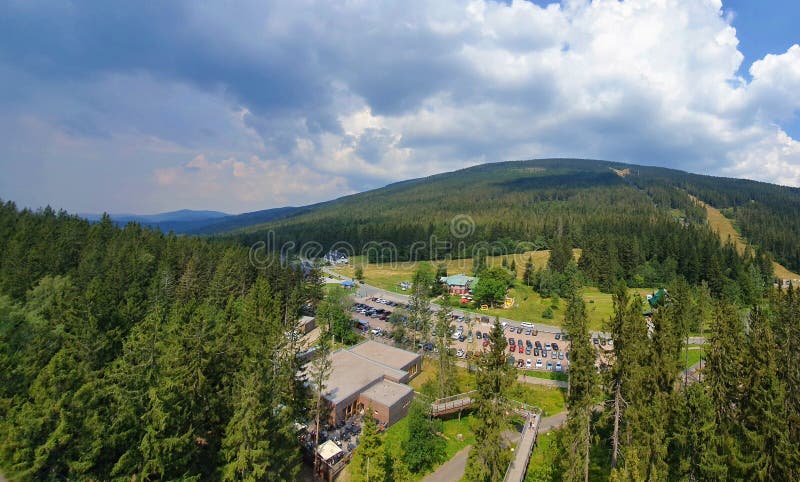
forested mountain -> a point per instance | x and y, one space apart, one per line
539 200
128 354
633 223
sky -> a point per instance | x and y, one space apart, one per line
144 107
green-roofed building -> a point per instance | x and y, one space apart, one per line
657 297
459 284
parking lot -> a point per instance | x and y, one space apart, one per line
530 349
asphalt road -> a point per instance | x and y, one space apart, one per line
366 291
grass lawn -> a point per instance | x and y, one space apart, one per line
694 355
551 400
562 377
394 437
543 465
529 306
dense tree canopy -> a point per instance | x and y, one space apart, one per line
130 353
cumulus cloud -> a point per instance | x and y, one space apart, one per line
277 103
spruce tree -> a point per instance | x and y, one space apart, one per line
488 459
764 451
581 389
371 451
445 372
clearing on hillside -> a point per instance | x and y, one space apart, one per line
724 227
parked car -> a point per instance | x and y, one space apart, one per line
528 331
521 349
512 348
512 361
520 363
547 346
536 352
558 366
485 342
553 354
538 363
555 346
478 335
538 344
558 336
511 341
519 330
595 341
549 365
528 350
561 355
528 344
528 363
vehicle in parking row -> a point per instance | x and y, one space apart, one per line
538 363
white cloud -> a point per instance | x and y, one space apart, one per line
251 181
309 100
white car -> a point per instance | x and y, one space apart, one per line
460 353
558 366
376 331
538 363
528 363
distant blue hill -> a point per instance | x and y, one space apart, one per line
186 221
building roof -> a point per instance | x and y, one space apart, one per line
657 297
387 393
305 319
384 354
459 280
352 373
328 450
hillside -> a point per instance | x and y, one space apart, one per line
635 223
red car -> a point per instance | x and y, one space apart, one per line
485 342
512 348
521 349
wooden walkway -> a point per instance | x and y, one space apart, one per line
518 467
456 403
530 431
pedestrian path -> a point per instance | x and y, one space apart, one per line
522 455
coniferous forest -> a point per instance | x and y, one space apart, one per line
130 353
127 354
